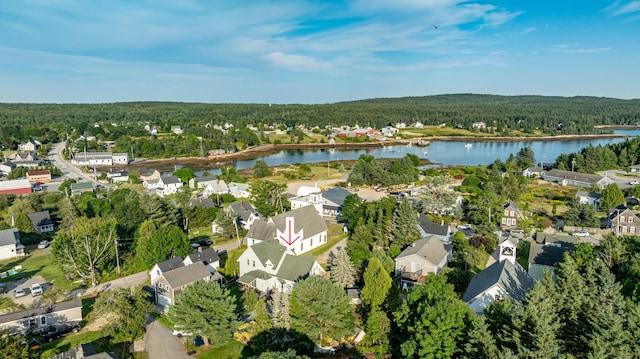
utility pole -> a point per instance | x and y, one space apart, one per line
573 163
235 223
115 241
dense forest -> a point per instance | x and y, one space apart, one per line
575 115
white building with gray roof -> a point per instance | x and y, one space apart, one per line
423 257
10 246
300 230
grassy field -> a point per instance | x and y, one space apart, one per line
334 235
38 262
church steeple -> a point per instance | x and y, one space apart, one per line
507 251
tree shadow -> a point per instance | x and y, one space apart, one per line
279 339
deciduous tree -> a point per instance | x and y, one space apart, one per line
163 244
125 311
87 246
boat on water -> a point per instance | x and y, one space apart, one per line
425 153
468 145
422 143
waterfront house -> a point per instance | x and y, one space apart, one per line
578 179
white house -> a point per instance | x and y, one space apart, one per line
300 230
479 125
120 158
590 198
245 213
92 159
27 146
504 278
312 199
41 221
163 267
420 258
177 130
565 178
163 186
217 187
10 246
239 190
271 266
42 317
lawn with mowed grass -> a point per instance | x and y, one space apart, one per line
38 262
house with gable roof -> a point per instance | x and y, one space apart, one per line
42 317
41 221
300 230
217 187
245 213
511 215
163 267
268 265
10 245
578 179
169 284
421 258
504 278
27 146
239 190
428 228
590 198
163 186
623 222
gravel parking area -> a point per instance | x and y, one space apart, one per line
27 300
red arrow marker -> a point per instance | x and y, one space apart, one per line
288 236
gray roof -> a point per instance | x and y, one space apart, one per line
187 274
170 179
431 228
573 176
15 184
170 264
306 218
588 194
512 205
262 230
209 255
9 236
40 218
243 209
81 186
511 278
335 195
28 313
430 248
206 179
205 202
549 254
84 351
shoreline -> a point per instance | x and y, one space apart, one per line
263 150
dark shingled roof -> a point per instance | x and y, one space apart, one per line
431 228
40 218
170 179
186 275
28 313
209 255
9 236
170 264
512 278
262 230
243 209
548 255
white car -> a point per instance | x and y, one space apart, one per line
464 227
36 289
19 292
633 183
44 244
580 234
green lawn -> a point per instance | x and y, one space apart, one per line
334 235
232 350
38 262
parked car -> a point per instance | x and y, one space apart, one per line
36 289
205 242
580 234
633 183
59 331
44 244
464 227
19 292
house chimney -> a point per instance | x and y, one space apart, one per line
200 249
442 222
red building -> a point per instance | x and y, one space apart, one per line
17 187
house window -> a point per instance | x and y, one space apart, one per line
504 221
43 320
248 262
513 214
301 246
632 229
253 263
622 219
159 285
506 212
624 229
311 242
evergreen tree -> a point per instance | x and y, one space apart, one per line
67 212
260 169
611 197
343 274
378 327
481 344
206 309
432 321
538 323
125 311
165 243
405 226
320 309
377 283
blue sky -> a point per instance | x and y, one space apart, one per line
262 51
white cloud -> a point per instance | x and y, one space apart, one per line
621 8
297 62
576 49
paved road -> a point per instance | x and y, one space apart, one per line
162 344
68 170
124 282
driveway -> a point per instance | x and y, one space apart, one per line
162 344
28 300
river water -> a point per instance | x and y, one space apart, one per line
440 153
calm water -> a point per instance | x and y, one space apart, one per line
443 153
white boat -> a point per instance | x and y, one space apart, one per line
468 145
425 153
